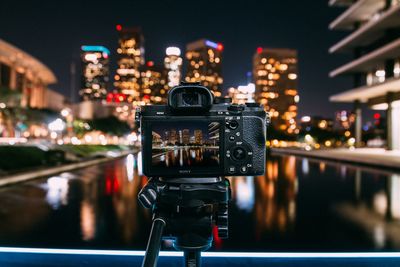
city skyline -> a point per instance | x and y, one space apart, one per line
237 53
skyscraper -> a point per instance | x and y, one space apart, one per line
275 77
198 137
204 64
95 72
173 65
153 84
130 60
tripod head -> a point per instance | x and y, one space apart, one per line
186 213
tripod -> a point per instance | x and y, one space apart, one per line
185 210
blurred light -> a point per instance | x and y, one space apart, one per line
220 47
3 105
57 193
57 125
377 116
328 143
347 133
306 119
150 63
351 141
130 167
91 48
259 50
244 189
118 27
65 112
211 44
173 51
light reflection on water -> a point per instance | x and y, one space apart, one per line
299 204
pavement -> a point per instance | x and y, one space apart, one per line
375 157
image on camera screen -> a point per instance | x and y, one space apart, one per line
185 144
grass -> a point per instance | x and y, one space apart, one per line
20 158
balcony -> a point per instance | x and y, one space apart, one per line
341 3
362 10
364 93
370 60
370 31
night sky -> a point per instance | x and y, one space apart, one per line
53 31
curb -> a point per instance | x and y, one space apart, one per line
23 177
352 159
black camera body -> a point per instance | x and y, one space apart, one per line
194 137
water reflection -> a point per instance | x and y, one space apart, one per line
57 191
187 157
299 204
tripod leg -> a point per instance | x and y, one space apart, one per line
192 258
154 243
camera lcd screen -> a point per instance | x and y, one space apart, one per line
185 145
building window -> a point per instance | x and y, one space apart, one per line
5 72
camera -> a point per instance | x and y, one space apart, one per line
194 136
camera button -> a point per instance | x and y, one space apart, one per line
232 169
243 169
233 125
232 138
239 153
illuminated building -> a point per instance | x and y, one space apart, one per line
204 59
242 94
185 136
173 65
130 60
198 137
171 136
95 72
24 80
153 84
374 43
275 78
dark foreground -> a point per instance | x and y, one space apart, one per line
299 205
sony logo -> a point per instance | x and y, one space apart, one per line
184 171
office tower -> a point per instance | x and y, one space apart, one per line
204 59
275 78
185 136
173 65
130 60
153 84
95 72
172 137
198 137
373 41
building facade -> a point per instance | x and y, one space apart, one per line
24 80
130 61
153 84
275 79
173 66
374 43
204 60
95 72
